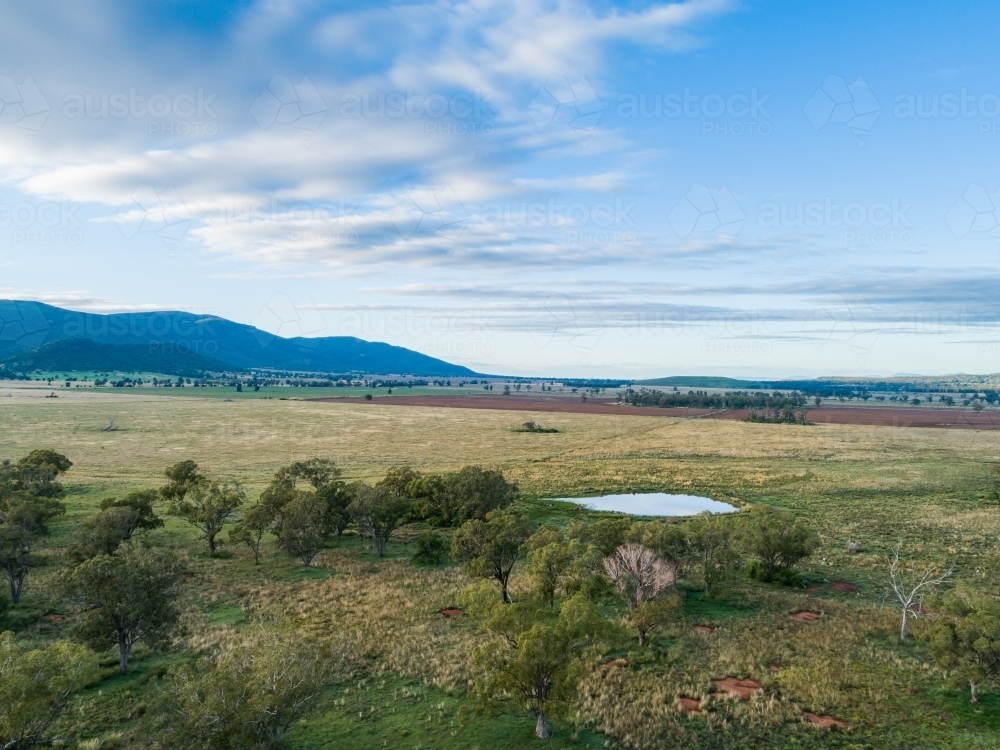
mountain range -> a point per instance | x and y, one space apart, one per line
38 336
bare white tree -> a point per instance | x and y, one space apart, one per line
112 424
638 574
908 587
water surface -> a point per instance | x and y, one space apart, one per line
652 504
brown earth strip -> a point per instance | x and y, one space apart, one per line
858 415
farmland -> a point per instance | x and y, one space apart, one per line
927 488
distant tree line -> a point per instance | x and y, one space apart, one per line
757 400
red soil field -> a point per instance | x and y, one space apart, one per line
902 416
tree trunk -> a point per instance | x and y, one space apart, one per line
211 545
708 589
902 627
974 689
123 652
504 593
542 726
642 637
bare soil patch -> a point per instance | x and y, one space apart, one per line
902 416
825 721
450 613
735 686
704 629
54 617
807 616
689 705
616 664
844 586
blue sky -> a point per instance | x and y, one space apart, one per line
547 188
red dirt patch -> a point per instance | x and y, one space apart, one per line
901 416
54 617
704 629
689 705
807 616
735 686
450 613
825 721
848 588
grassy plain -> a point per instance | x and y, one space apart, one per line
873 485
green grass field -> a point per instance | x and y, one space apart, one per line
929 489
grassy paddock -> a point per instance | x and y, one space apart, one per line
872 485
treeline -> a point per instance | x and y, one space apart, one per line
756 400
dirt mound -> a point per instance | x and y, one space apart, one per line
450 613
825 721
54 617
735 686
807 616
689 705
704 629
847 588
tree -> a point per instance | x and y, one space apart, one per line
908 586
251 529
966 639
536 663
100 534
182 478
653 614
777 539
448 499
117 521
399 479
323 477
15 557
607 535
35 475
711 544
303 527
210 506
489 548
131 597
142 516
253 694
548 560
378 511
35 685
639 576
667 540
480 491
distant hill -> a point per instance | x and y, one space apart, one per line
26 326
84 355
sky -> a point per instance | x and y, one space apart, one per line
568 188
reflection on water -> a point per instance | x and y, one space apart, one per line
652 504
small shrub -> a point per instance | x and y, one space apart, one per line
430 548
757 571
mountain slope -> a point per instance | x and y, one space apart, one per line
29 325
66 355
